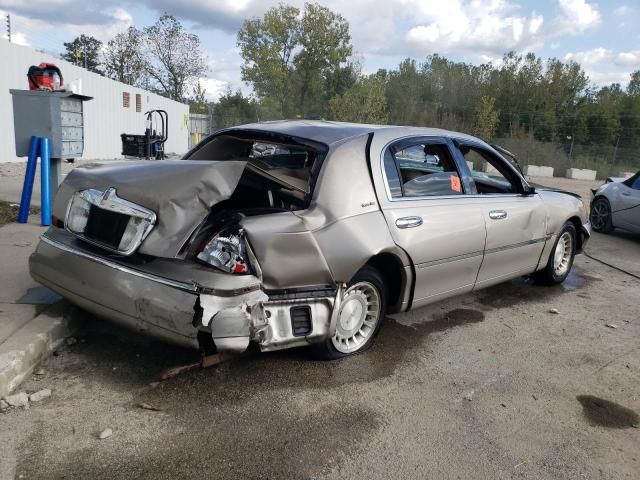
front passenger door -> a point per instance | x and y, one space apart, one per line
515 221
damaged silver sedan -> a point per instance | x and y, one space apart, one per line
298 233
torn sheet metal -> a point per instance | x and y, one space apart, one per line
231 320
180 192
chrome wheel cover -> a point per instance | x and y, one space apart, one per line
562 254
599 214
358 317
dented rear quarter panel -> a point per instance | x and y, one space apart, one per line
333 239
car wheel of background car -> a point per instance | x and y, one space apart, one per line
360 315
561 258
600 216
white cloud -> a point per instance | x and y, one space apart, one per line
580 13
214 88
628 58
481 26
604 66
590 57
623 10
120 21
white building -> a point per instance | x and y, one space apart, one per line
116 108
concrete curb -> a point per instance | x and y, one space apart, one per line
35 341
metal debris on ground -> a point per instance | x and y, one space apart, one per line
611 325
205 361
555 311
106 433
146 406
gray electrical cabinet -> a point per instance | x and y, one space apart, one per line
55 115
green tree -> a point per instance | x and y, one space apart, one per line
233 108
174 60
198 103
84 51
364 102
123 58
295 59
266 46
485 118
325 46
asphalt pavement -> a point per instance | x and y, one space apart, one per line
489 385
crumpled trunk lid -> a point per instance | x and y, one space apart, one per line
180 192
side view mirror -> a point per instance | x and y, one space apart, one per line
529 190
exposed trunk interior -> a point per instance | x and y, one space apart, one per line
280 171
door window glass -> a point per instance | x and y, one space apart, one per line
421 169
488 171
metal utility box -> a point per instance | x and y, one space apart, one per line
55 115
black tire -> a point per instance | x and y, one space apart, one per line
600 216
550 274
369 275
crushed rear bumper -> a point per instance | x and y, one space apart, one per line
233 310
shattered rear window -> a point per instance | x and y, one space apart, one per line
276 156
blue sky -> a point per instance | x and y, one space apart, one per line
603 36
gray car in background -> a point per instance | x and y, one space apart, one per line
296 233
616 204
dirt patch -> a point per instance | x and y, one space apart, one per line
604 413
9 212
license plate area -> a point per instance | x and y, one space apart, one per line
106 227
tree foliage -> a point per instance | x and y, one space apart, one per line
294 59
364 102
485 118
233 108
123 59
84 51
173 59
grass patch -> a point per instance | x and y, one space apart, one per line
9 212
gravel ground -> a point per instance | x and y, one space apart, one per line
515 381
489 385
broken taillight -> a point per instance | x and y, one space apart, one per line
226 251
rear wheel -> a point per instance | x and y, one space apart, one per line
600 216
359 317
561 258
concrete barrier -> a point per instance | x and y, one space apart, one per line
488 168
581 174
538 171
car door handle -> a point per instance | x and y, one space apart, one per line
409 222
497 214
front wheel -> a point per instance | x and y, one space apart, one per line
561 258
359 317
600 216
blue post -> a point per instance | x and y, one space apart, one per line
27 186
45 186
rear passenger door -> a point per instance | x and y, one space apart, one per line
430 217
515 220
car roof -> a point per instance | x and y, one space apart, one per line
329 132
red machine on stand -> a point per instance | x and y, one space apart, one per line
45 76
